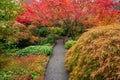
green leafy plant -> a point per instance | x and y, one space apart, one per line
9 10
57 30
74 31
49 39
34 50
44 31
5 33
46 49
69 44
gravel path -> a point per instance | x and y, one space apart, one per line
56 67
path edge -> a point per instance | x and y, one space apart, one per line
48 61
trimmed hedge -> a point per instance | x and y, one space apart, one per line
96 55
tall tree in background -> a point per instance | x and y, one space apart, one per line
69 13
50 12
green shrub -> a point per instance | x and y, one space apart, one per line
35 50
9 10
23 37
5 37
96 55
48 44
69 44
49 39
46 50
44 31
57 30
33 29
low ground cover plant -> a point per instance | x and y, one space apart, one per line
96 55
69 44
23 68
35 50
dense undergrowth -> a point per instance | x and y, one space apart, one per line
23 68
96 55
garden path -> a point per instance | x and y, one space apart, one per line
56 67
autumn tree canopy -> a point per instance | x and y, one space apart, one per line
50 12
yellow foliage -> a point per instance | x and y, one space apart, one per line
96 55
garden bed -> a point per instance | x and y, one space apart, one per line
24 67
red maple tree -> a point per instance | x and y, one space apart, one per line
68 12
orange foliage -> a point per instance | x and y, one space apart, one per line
96 55
22 33
22 68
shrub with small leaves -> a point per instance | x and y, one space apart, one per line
9 9
44 31
33 29
48 40
57 30
5 33
69 44
23 36
96 55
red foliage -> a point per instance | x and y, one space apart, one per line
102 12
49 12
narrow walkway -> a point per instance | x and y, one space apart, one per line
56 67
